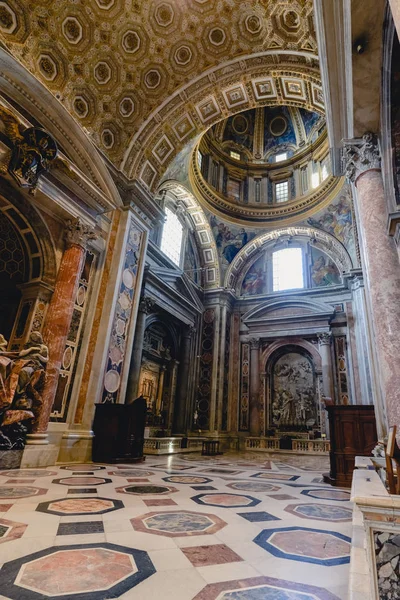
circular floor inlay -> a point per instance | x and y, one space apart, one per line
81 481
20 492
253 486
147 489
189 479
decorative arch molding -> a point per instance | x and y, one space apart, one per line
319 239
37 101
204 237
268 353
28 222
310 308
273 77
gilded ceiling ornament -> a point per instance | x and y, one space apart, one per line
33 150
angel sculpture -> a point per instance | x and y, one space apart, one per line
33 150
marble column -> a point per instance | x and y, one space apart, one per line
181 399
59 315
132 389
220 396
254 387
381 265
324 344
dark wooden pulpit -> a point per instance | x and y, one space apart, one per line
352 433
119 432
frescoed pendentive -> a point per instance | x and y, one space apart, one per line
178 523
339 495
225 500
90 571
263 588
315 546
80 506
320 512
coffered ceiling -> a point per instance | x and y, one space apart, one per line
143 76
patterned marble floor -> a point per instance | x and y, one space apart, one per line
234 527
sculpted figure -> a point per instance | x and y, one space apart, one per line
22 373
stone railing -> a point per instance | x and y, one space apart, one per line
311 446
162 445
375 552
308 446
195 443
262 443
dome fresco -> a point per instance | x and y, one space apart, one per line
259 134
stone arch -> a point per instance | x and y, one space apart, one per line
291 78
33 230
36 100
320 239
299 342
203 234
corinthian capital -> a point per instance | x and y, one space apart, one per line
146 305
361 155
255 343
324 339
78 234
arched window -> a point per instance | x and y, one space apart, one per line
287 268
172 235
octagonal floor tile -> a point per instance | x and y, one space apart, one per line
329 494
277 476
263 588
144 489
10 491
253 486
178 523
226 500
81 481
80 506
188 479
10 530
321 512
21 473
316 546
78 572
81 467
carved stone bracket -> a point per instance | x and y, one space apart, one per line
146 305
361 155
78 234
324 338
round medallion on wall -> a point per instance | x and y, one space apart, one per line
128 278
80 297
278 126
240 124
112 381
67 357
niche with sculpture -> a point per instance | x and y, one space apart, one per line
293 389
22 379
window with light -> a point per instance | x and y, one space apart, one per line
287 269
235 155
171 240
324 172
280 157
282 191
315 180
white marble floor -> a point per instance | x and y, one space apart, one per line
234 527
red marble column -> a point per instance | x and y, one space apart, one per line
59 314
255 387
381 264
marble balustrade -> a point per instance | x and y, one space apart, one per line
375 553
